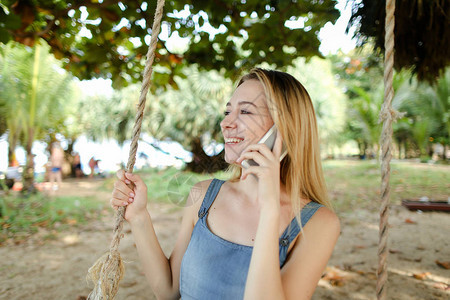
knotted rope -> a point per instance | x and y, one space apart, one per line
387 116
108 270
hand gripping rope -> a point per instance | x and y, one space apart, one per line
108 270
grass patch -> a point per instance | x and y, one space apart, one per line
351 184
168 185
23 216
356 184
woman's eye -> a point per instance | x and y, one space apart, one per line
243 111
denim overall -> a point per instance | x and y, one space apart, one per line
214 268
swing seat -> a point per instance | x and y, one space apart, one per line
429 205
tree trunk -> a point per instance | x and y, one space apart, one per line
28 172
68 155
362 150
202 162
11 156
12 143
444 155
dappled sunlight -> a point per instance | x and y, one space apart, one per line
71 239
85 184
334 276
371 226
428 277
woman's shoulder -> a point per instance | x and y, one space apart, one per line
197 194
324 220
322 229
195 198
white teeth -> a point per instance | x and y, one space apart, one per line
233 140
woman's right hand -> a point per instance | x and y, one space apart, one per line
135 198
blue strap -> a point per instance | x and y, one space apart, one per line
210 196
294 228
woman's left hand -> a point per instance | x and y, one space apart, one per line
268 171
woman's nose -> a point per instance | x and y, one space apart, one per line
229 121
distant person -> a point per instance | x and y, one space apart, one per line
56 162
93 164
77 165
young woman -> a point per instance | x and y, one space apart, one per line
268 232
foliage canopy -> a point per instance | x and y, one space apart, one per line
422 33
109 38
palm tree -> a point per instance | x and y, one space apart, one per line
427 108
365 108
36 93
191 115
104 117
328 99
10 88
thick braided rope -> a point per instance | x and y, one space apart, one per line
108 270
139 115
387 115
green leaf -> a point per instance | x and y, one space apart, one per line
9 21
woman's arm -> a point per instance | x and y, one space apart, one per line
310 255
307 259
264 277
161 273
313 248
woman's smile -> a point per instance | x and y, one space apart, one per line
233 141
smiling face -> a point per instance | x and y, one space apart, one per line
246 120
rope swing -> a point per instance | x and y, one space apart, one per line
108 270
387 116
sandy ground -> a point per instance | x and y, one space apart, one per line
56 269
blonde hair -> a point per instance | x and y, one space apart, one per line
293 113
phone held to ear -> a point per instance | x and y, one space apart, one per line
269 140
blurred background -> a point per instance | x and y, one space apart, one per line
70 76
77 81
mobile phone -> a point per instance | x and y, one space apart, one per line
269 140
